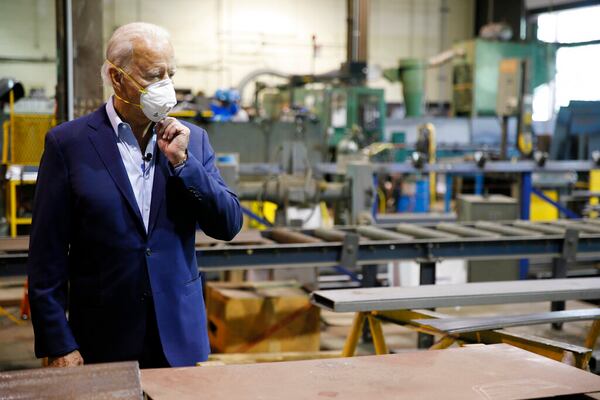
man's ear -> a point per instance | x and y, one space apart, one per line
116 77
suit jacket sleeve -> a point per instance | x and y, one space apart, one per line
217 208
48 255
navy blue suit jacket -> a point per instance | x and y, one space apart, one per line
90 254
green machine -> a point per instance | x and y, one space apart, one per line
342 109
475 75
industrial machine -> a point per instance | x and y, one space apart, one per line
475 75
577 133
342 108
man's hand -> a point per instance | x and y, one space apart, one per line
173 138
73 359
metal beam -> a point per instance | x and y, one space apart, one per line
481 293
476 324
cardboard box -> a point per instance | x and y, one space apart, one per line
261 317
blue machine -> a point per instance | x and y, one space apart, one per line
225 104
577 131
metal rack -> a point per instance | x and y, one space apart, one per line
350 246
355 245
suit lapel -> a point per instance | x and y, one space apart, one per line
158 187
105 142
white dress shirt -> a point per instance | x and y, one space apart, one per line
139 169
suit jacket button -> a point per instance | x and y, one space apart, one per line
148 252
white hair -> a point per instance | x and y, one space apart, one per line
119 49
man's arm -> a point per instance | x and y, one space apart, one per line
217 209
219 212
47 267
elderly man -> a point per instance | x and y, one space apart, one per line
119 197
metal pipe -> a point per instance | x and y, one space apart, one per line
277 191
422 232
581 226
357 30
464 231
284 235
330 235
533 226
505 229
380 234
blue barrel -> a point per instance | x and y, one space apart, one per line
422 195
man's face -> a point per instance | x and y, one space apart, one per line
148 65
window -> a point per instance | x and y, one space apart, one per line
577 67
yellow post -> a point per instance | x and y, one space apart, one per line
592 337
355 331
377 333
443 343
12 193
594 187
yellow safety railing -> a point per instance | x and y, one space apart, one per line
24 138
23 145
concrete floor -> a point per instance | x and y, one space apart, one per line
16 341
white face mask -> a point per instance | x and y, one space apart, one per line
156 99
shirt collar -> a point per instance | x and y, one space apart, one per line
115 120
113 117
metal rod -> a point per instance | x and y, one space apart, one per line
380 234
505 229
283 235
465 231
330 235
423 232
543 228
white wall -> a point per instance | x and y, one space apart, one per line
217 42
27 29
418 29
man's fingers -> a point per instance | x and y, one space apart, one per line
163 124
173 130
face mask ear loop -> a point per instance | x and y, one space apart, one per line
127 101
139 87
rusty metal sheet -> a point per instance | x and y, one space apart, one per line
475 372
98 382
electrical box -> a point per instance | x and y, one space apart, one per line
489 208
509 87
